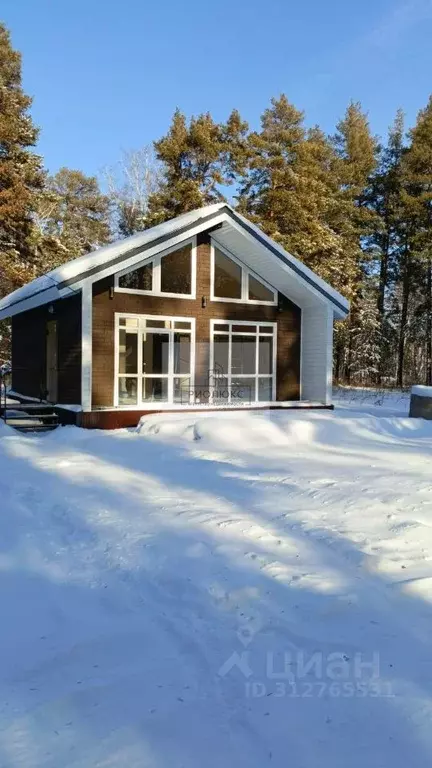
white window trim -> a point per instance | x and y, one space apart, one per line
86 347
255 376
156 261
139 376
246 271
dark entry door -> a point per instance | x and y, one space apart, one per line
51 361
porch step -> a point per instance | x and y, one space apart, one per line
30 417
34 407
34 427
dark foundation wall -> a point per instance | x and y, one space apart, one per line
287 316
29 350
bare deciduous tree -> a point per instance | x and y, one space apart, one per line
129 184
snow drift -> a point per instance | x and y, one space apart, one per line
218 590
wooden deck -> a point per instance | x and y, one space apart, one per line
119 418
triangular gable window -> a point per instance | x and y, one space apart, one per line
227 276
233 281
140 279
258 291
169 274
176 271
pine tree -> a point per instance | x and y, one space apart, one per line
21 177
292 191
73 218
324 244
270 180
357 152
383 244
235 148
417 198
197 160
366 341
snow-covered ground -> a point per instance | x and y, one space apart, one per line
216 591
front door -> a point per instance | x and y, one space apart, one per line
51 361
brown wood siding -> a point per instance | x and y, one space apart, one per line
287 315
29 350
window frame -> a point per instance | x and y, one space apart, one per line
245 272
156 277
139 376
253 376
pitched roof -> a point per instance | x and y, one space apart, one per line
64 280
76 269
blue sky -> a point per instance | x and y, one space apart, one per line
106 75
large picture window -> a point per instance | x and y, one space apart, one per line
167 274
155 359
233 281
243 361
176 271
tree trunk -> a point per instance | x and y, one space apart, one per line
383 280
338 363
429 325
381 303
403 323
349 357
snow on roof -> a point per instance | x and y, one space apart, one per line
421 391
46 289
97 258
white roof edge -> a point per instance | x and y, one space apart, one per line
51 286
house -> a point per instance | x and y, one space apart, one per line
202 311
